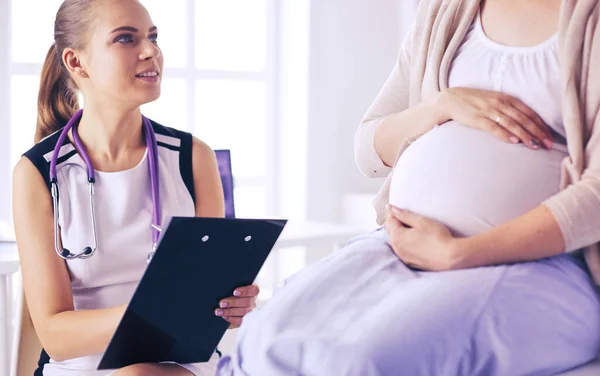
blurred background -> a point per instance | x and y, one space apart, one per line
281 83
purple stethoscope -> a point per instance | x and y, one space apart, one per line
87 252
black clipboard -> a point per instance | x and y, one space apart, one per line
198 262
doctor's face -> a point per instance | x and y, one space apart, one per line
122 58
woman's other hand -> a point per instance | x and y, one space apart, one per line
420 242
234 308
502 115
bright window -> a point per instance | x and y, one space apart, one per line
217 84
241 28
231 115
30 45
172 91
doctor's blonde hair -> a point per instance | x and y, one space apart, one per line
57 98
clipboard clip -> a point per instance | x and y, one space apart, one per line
151 254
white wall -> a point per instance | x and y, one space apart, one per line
353 47
5 188
336 55
294 71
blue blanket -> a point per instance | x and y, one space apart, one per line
361 311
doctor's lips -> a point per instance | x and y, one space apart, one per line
151 75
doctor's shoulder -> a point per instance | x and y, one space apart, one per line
197 160
183 141
35 162
190 147
210 198
31 200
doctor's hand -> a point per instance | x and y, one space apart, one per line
234 308
420 242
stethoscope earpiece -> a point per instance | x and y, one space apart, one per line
65 253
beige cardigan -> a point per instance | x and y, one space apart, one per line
422 70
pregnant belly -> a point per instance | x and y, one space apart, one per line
471 181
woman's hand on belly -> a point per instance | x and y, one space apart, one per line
502 115
420 242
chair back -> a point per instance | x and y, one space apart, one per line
224 161
26 347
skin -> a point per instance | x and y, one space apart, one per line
111 131
427 244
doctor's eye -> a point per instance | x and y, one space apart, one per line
153 38
125 38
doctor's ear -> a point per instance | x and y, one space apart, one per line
72 61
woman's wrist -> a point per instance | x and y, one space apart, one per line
437 107
462 253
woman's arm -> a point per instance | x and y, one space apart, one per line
372 158
393 130
577 208
475 108
208 189
532 236
63 332
429 245
389 124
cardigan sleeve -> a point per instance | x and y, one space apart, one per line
392 98
577 208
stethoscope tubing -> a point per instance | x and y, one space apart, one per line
152 146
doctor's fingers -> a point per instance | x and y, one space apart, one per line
234 321
233 312
246 291
237 302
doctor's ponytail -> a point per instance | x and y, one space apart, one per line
57 99
58 96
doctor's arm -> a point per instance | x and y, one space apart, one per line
208 189
63 332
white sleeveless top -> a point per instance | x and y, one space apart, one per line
468 179
123 209
123 217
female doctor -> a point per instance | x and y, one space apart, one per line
108 51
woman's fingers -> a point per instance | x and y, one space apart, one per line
523 127
517 129
485 124
531 114
500 114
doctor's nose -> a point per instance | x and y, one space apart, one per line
149 51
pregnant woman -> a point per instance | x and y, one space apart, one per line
487 259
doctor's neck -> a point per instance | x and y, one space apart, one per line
111 133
